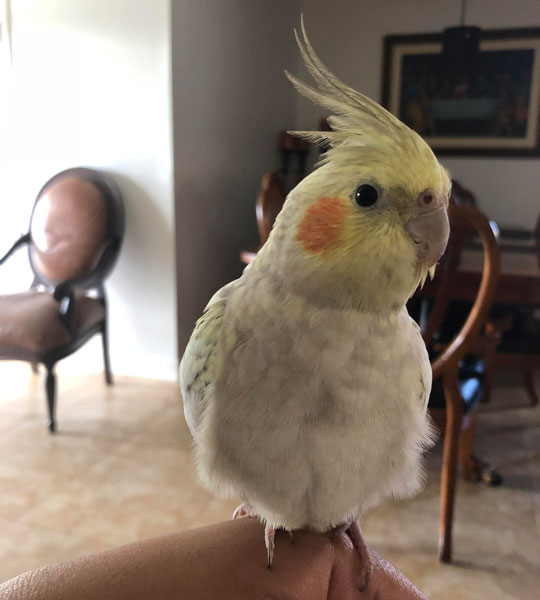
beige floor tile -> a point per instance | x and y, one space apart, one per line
213 512
24 547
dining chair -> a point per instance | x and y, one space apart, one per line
73 241
294 153
519 348
458 362
270 200
519 325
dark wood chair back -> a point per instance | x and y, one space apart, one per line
269 203
76 229
446 273
462 195
463 218
536 234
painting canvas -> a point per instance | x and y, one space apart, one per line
491 109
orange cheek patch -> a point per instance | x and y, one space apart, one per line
321 226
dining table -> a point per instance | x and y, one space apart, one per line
519 280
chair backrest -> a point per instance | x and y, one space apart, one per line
460 230
76 228
463 218
269 202
536 235
462 195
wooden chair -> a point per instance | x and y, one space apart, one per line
519 348
514 324
293 150
269 203
73 242
462 195
457 375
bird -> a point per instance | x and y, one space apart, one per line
305 381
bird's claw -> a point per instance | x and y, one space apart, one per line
352 529
244 510
269 535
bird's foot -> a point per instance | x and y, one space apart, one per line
352 529
269 535
246 510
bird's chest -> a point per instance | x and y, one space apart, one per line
323 406
327 370
367 383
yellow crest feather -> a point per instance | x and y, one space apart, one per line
362 130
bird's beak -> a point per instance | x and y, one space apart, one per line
429 228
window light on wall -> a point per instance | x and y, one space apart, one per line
6 54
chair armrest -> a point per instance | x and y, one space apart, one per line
247 256
24 239
64 292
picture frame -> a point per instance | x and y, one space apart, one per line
491 111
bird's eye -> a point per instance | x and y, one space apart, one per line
366 195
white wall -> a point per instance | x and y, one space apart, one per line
91 87
231 99
348 35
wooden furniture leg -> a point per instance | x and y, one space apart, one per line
106 359
490 341
528 381
469 464
449 465
50 387
472 467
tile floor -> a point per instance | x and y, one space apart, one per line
120 470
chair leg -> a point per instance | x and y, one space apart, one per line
472 467
488 376
468 462
449 466
491 341
50 387
106 359
528 382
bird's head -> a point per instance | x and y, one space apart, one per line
365 228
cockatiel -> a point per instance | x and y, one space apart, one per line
305 382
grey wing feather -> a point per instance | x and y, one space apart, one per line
201 362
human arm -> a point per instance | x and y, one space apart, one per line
225 561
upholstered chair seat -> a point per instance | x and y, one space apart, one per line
30 327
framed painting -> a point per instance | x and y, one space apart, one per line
492 109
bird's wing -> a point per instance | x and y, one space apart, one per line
201 362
